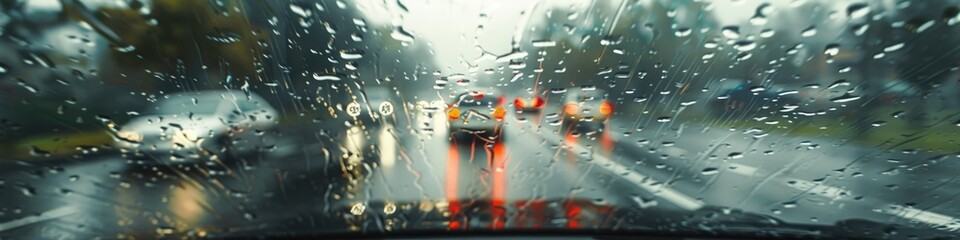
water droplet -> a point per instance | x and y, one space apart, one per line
611 40
664 119
758 20
744 46
731 32
513 55
124 49
950 15
683 32
402 35
544 43
767 33
845 98
35 151
357 209
857 10
249 216
893 47
348 55
832 49
860 29
325 77
710 44
790 204
844 69
28 190
760 17
710 171
735 155
809 31
839 83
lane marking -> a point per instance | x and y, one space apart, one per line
45 216
742 169
831 192
644 182
935 219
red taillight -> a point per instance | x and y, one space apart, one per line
606 108
453 113
518 103
537 102
499 113
501 100
571 109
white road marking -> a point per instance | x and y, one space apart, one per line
642 181
836 193
831 192
741 169
48 215
935 219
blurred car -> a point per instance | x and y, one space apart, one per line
586 106
533 104
378 104
747 99
369 119
477 112
196 126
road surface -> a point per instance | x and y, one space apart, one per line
667 165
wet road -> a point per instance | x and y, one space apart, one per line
672 166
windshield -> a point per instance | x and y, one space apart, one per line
351 118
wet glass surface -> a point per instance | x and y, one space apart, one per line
192 119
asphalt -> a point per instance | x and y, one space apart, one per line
678 167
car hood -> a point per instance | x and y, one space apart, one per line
561 217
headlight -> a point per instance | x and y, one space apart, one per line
128 136
185 138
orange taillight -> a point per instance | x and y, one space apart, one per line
606 108
518 103
537 102
453 113
571 109
499 113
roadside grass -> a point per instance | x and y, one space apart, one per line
56 144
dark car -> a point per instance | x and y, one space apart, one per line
744 99
477 112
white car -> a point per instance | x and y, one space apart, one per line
197 126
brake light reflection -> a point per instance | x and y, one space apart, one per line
453 113
571 109
606 108
453 171
499 113
518 103
537 102
498 191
